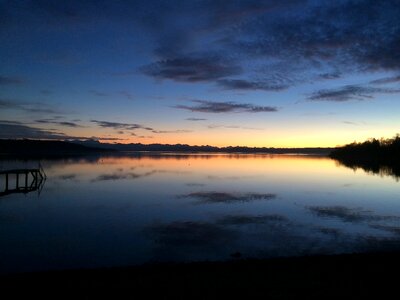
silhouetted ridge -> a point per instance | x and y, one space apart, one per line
26 148
206 148
377 156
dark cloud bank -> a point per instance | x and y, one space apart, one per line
294 41
217 41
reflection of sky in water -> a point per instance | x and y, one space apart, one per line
128 210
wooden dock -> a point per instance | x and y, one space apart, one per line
26 180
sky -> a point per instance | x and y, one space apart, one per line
288 73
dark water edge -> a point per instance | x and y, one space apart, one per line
379 167
354 275
373 156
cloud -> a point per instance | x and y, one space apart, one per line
5 80
96 138
18 130
117 125
350 123
337 34
332 75
225 107
124 94
10 122
132 126
386 80
144 136
195 119
172 131
241 84
34 107
14 130
215 126
206 41
223 197
61 123
291 39
192 68
350 92
69 124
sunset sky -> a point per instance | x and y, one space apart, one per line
286 73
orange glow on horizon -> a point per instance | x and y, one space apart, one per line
283 138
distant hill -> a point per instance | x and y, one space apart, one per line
28 148
58 148
207 148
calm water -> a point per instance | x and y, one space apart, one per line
117 211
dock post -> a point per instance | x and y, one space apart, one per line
7 182
17 181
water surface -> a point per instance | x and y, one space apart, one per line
134 209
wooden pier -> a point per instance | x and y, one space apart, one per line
26 180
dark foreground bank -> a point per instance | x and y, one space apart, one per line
354 275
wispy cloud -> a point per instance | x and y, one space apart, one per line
133 126
305 36
195 119
331 75
350 92
61 123
349 123
172 131
118 125
225 107
386 80
31 107
196 68
16 130
206 41
242 84
19 130
215 126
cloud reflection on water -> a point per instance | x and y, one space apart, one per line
225 197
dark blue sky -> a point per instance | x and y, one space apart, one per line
263 73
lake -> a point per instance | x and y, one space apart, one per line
132 209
